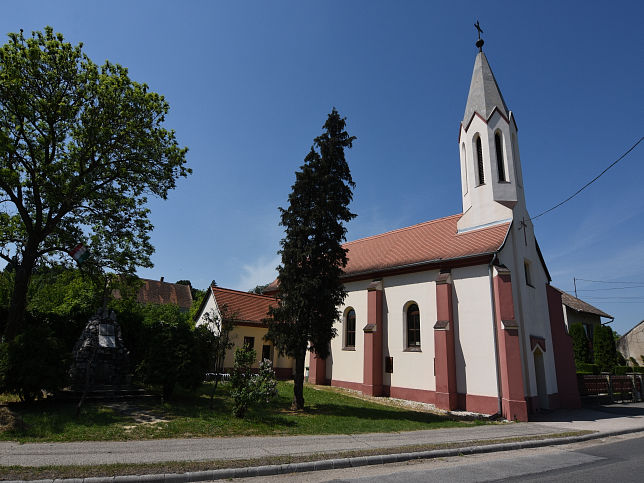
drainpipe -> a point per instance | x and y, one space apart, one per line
494 332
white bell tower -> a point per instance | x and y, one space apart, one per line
491 179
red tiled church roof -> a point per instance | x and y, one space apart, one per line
243 306
431 241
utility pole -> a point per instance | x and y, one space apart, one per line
574 280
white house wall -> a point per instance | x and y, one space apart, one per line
209 308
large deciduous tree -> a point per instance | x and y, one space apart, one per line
82 146
313 258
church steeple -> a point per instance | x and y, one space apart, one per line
491 177
484 95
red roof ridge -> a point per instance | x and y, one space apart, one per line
405 228
241 292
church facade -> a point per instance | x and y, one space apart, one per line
458 312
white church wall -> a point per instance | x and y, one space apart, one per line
530 305
347 364
504 191
478 204
412 369
474 336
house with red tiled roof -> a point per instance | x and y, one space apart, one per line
247 311
160 292
459 311
577 311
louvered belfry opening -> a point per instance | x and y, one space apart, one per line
479 157
499 156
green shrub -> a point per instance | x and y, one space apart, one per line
249 388
604 348
580 344
32 362
175 353
583 368
619 359
621 370
633 361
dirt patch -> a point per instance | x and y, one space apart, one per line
138 414
9 421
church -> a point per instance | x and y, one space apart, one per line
459 312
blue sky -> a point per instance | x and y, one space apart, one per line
251 83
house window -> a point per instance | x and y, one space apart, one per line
249 342
479 159
498 143
350 330
528 274
266 352
413 327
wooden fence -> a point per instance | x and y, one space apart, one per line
609 388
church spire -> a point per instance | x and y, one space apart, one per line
491 178
484 94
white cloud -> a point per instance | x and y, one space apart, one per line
262 271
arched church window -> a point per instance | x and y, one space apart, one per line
498 144
350 330
479 158
413 327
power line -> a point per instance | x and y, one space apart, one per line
614 297
590 182
620 302
605 289
606 281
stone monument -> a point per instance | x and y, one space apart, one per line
100 357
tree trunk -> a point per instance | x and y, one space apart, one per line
298 385
19 298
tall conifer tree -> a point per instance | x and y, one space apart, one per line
313 258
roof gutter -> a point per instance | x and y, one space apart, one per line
609 322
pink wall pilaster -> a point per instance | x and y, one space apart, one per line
372 368
513 403
444 358
317 370
563 353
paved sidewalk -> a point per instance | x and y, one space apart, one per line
605 419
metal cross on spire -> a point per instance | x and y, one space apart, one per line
480 41
524 227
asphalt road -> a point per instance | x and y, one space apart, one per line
618 459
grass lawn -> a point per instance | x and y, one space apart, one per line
190 415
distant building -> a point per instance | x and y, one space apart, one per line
631 344
247 311
576 311
159 292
